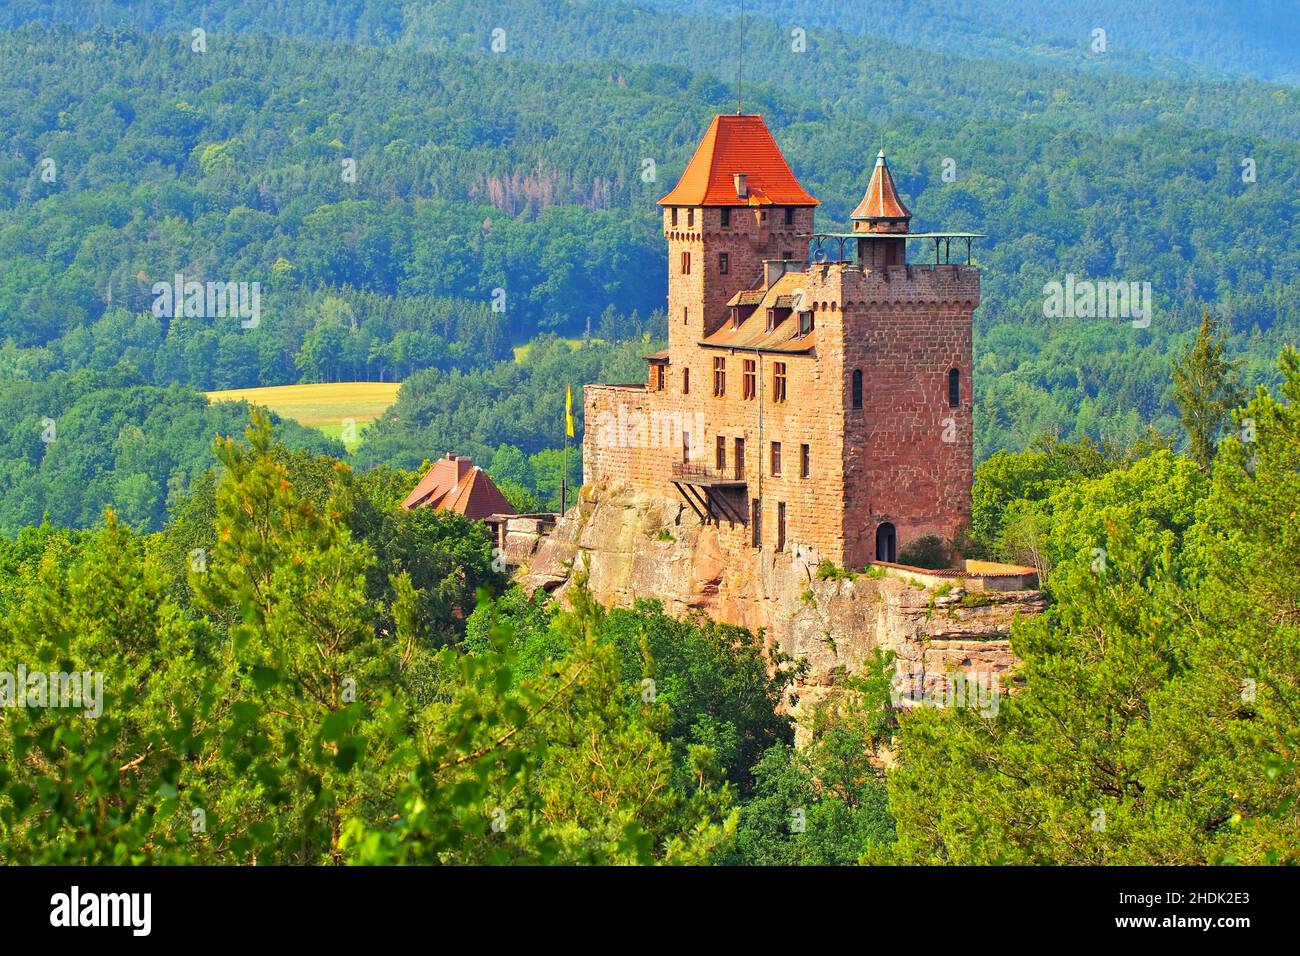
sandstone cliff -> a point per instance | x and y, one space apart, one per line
630 545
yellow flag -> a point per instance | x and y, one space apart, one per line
568 410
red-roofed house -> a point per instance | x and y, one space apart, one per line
455 483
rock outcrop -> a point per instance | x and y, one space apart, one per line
631 546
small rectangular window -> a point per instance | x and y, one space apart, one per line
724 263
686 315
805 461
686 263
686 381
690 217
756 521
726 216
719 377
740 458
659 378
780 526
805 323
686 446
776 459
789 215
722 452
749 380
674 215
778 382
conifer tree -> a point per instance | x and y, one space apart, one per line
1206 390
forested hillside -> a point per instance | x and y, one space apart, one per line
496 195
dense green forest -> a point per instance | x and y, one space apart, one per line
498 195
290 677
297 671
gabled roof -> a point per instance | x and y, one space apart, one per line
737 143
881 201
456 484
753 333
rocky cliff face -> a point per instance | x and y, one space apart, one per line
630 545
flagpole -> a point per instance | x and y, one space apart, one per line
564 479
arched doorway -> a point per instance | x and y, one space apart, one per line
886 543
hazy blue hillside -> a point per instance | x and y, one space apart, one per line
1162 37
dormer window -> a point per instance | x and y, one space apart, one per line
805 323
771 319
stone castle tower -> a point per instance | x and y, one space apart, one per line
815 394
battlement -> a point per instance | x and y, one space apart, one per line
839 286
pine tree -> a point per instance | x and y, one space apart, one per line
1206 390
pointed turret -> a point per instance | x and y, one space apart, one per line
881 210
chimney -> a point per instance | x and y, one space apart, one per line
773 269
742 190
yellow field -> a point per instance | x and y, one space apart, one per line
323 406
521 351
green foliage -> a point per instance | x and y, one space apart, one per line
1205 391
927 551
1157 722
288 707
825 803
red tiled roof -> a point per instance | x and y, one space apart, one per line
753 333
456 484
881 200
737 143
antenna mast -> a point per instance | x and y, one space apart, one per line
740 60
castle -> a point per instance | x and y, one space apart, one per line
815 395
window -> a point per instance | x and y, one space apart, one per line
686 263
726 216
686 446
690 217
857 388
674 215
749 380
771 319
787 256
776 459
780 526
740 458
719 377
722 453
686 381
756 521
805 461
724 263
778 382
954 389
789 215
805 323
659 378
686 315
